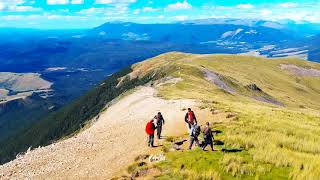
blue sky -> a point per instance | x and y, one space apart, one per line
61 14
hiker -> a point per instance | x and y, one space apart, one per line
195 132
207 136
190 118
150 128
160 122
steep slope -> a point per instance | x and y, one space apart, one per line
116 137
267 111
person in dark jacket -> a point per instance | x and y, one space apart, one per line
195 132
208 137
150 128
190 118
160 123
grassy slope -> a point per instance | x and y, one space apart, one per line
276 142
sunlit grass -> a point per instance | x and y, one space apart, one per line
277 142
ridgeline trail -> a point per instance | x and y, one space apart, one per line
107 147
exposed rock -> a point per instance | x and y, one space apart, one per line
157 158
262 96
217 80
253 87
300 71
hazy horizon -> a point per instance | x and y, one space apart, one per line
84 14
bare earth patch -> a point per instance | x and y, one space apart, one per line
300 71
214 78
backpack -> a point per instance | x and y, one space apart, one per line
196 131
190 117
149 128
159 120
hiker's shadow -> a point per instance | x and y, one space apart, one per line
230 150
216 132
160 145
218 142
179 143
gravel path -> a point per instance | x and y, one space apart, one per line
105 148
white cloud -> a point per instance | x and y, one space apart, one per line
289 5
107 11
63 2
265 12
1 6
76 1
137 11
181 18
23 8
60 2
179 5
149 9
245 6
16 6
160 16
87 11
114 1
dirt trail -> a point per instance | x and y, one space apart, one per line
108 146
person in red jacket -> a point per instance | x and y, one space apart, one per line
190 118
150 128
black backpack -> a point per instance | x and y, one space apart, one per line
196 131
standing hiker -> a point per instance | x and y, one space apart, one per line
160 122
195 132
150 128
190 118
207 136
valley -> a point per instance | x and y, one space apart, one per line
21 85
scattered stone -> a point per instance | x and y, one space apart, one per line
157 158
176 147
253 87
141 164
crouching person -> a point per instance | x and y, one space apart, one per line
150 128
208 137
194 134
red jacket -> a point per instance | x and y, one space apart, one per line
150 127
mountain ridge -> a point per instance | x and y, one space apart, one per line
252 120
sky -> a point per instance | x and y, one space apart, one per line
77 14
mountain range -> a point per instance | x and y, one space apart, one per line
75 61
